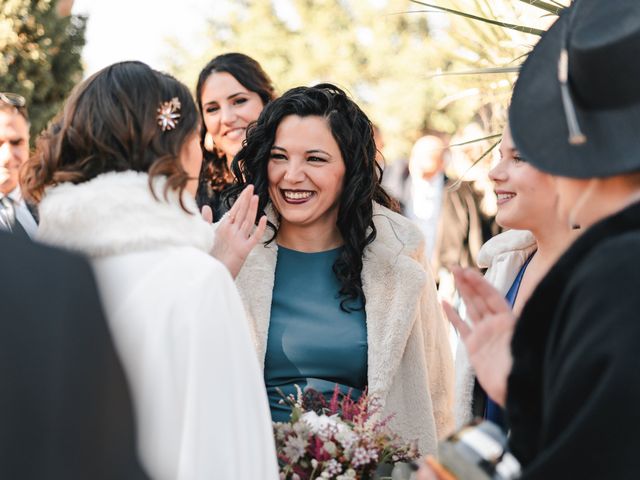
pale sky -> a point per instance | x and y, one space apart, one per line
138 29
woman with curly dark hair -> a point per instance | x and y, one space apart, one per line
341 292
231 92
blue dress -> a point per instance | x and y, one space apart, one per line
493 411
311 342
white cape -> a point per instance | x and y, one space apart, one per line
178 323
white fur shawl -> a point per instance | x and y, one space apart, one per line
116 213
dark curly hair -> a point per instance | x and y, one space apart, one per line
353 133
215 174
109 124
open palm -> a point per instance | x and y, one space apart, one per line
488 336
237 233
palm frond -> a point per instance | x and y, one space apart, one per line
546 6
511 26
478 71
476 140
455 185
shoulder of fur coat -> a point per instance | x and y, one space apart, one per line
409 360
117 212
397 232
504 243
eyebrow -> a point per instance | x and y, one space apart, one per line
317 150
230 97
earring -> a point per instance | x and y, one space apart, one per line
574 223
209 144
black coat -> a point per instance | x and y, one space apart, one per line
65 411
574 391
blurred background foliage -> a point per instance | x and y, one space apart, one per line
41 46
373 49
413 66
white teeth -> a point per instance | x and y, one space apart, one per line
296 195
505 196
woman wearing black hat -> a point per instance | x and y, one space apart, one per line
570 366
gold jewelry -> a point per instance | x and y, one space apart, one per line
209 144
168 114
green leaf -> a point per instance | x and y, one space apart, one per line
511 26
479 71
548 7
475 140
455 185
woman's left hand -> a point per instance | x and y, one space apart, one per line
488 338
237 234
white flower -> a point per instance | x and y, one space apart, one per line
314 463
282 430
349 475
332 468
319 423
330 448
362 456
346 436
294 448
301 429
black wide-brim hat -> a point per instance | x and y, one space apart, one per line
602 40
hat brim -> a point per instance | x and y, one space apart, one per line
539 126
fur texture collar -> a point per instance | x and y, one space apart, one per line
505 242
116 213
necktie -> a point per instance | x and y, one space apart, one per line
8 218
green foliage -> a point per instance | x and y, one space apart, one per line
486 42
41 55
374 49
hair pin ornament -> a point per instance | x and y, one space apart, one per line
168 114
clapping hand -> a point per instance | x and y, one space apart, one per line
237 234
488 338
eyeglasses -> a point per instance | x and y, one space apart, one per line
16 101
13 99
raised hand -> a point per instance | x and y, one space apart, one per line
236 234
488 338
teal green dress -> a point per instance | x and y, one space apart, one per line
311 342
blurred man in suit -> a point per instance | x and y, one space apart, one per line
15 215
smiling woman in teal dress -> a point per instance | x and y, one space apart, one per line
340 293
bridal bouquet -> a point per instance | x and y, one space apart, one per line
341 439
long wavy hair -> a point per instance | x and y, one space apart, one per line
215 175
353 133
109 124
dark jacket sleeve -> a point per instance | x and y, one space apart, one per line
65 408
591 388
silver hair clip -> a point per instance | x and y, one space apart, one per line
168 114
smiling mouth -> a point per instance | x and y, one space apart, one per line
504 197
296 196
233 130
